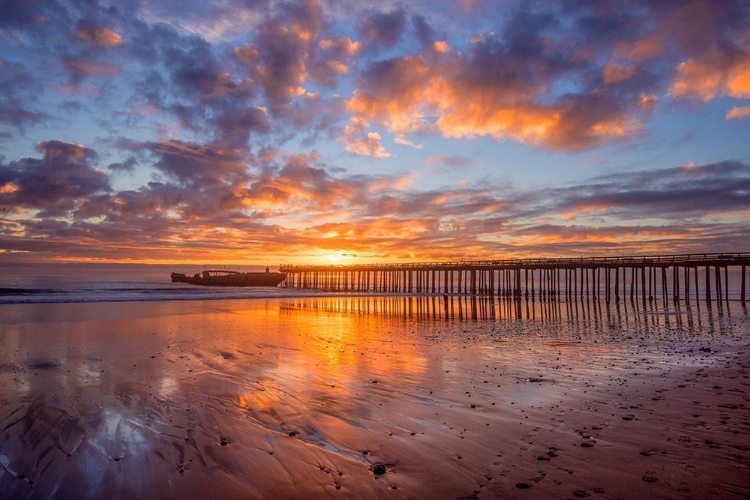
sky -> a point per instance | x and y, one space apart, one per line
264 132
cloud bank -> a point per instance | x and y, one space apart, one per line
229 131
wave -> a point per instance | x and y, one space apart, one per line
113 293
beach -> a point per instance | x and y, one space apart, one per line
373 397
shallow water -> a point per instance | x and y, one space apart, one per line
332 396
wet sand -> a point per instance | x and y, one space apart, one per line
371 398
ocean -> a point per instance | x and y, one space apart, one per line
69 283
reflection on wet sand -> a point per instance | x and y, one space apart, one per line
465 307
359 397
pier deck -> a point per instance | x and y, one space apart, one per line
613 278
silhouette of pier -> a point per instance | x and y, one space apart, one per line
613 278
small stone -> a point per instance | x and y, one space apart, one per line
628 417
523 486
581 493
650 479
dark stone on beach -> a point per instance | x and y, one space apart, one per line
223 441
650 479
44 364
648 453
581 493
523 486
292 433
587 444
379 469
628 417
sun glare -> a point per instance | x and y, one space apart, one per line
336 258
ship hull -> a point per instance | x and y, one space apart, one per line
231 279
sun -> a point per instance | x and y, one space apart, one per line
336 258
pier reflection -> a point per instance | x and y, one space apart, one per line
635 316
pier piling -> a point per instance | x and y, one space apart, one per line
549 279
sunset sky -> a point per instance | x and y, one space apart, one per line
254 131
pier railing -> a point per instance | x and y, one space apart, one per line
645 277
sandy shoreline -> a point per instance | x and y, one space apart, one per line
275 399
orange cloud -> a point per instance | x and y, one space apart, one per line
342 44
357 140
707 79
736 113
641 50
696 80
407 84
456 97
440 47
738 80
98 35
367 145
615 72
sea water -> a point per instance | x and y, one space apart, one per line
68 283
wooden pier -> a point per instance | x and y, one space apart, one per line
647 278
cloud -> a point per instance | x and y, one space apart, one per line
672 193
55 184
79 67
505 88
531 84
220 114
383 29
447 163
97 35
717 59
195 165
357 140
209 202
18 116
738 112
333 59
21 13
19 95
277 56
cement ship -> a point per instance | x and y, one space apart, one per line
215 277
